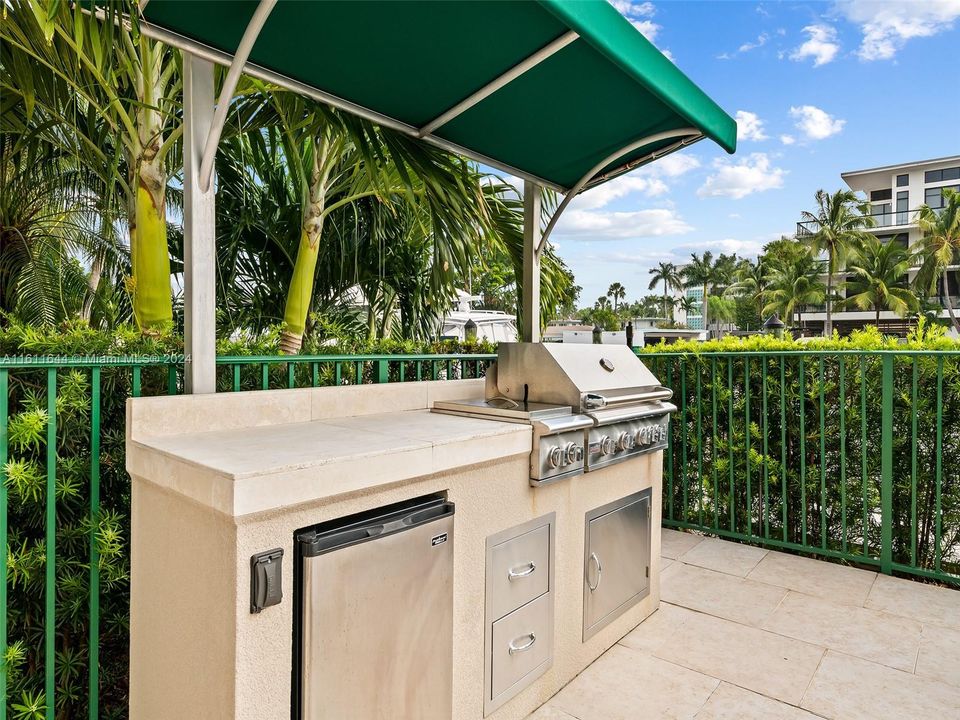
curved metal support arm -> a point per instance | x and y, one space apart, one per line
687 135
250 36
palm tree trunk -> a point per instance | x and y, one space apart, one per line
948 302
828 325
152 304
665 300
705 311
301 284
93 283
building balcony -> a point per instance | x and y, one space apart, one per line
906 218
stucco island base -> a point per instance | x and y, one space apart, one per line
217 478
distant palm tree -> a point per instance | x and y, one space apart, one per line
602 303
751 280
842 220
616 292
879 278
941 246
701 272
665 273
794 281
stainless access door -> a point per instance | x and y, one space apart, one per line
377 616
616 560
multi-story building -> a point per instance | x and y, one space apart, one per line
894 192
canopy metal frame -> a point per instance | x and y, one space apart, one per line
204 121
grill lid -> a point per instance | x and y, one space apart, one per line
585 377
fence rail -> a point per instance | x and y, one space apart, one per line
77 401
833 454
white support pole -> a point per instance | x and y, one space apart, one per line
530 332
199 232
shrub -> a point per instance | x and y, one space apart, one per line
811 474
26 483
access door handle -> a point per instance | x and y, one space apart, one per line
593 557
513 648
514 573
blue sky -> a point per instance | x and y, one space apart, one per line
820 88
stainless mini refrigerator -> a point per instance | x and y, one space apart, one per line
374 617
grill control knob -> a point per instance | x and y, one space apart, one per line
555 458
625 441
572 453
606 445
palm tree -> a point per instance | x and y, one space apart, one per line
67 65
794 281
842 220
616 292
338 161
941 246
701 272
688 305
879 278
665 273
603 302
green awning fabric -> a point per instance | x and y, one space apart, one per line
409 62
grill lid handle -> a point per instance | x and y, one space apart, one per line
595 401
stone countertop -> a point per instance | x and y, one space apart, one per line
255 469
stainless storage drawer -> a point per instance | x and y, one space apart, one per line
522 644
519 570
616 572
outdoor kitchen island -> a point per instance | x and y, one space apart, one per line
219 479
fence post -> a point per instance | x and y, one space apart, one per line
886 468
381 372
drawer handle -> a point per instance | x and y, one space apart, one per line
513 573
594 558
514 648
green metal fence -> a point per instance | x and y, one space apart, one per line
846 455
34 390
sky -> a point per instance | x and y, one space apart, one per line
818 88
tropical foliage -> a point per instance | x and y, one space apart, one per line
773 441
841 221
321 217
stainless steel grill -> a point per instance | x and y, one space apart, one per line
590 405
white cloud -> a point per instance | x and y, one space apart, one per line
887 26
648 28
672 165
814 123
593 225
822 45
749 126
759 42
631 9
640 15
743 248
603 195
787 139
736 180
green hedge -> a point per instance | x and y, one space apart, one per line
26 477
811 477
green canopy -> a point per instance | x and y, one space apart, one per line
546 89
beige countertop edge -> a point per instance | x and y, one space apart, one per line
243 493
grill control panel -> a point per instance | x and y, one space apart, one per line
618 441
557 456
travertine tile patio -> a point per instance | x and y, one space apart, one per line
747 634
